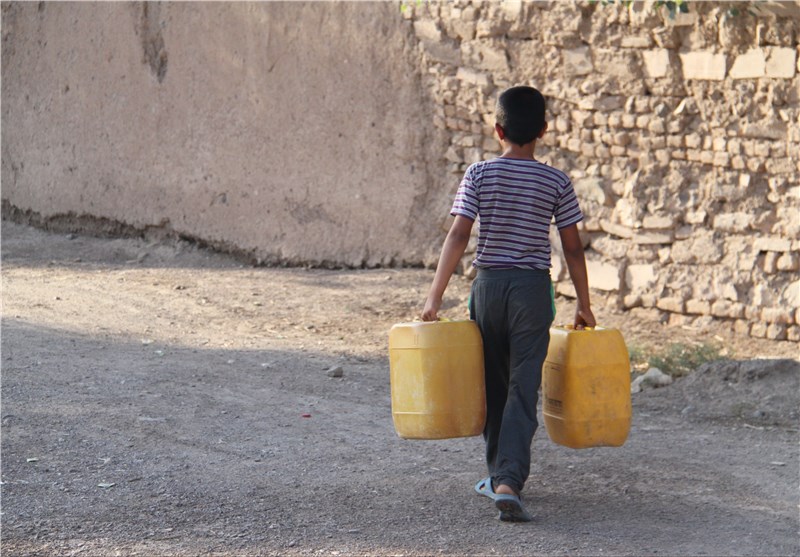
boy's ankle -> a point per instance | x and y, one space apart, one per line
504 489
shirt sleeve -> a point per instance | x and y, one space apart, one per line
466 201
567 212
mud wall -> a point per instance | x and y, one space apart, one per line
289 131
682 136
337 133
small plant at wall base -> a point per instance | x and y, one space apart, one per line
638 357
679 359
676 359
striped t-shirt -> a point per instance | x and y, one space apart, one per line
515 201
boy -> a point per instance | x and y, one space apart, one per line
516 197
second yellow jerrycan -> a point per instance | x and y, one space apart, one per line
586 388
436 372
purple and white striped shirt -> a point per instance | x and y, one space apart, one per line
515 200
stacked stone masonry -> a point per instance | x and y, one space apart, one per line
681 135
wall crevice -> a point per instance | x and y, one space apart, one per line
150 30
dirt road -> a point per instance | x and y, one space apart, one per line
161 400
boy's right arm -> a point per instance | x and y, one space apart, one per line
576 263
452 251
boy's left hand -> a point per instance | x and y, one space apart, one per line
584 318
431 310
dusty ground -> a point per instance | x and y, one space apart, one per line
153 397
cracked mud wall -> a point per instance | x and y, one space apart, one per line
295 132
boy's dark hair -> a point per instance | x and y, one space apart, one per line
520 112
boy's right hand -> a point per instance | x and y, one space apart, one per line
584 318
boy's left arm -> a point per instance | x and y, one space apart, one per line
452 251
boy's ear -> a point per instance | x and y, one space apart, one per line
544 129
501 133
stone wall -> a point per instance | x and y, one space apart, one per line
681 135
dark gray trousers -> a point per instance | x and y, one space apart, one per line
514 310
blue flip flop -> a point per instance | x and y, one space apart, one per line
484 487
511 509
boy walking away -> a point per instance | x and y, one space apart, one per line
515 198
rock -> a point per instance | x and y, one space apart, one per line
791 295
703 65
654 378
491 58
578 61
702 248
640 277
657 378
773 129
696 217
671 304
590 188
781 63
605 103
698 307
616 229
443 52
335 371
750 65
733 222
512 9
471 76
603 276
637 42
726 308
687 106
772 244
658 222
776 331
492 28
452 155
610 248
758 330
649 238
782 316
427 31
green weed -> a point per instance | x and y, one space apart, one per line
638 356
679 359
676 359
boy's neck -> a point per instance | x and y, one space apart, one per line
514 151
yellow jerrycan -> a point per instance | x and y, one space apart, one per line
586 388
437 381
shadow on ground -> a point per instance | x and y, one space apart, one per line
111 445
